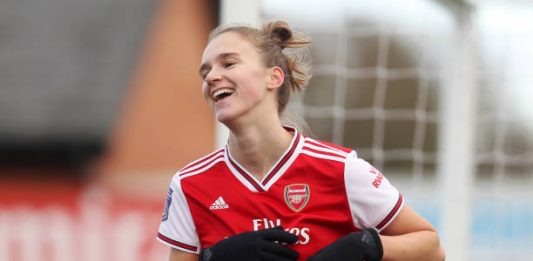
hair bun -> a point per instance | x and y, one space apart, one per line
281 35
279 31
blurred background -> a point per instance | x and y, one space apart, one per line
100 104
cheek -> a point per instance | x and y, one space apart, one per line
255 82
205 90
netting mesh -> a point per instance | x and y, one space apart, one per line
504 155
505 144
372 91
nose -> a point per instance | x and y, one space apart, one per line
213 76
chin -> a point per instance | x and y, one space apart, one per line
223 118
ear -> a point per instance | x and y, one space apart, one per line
276 77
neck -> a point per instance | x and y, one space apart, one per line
258 147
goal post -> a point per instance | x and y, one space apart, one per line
457 160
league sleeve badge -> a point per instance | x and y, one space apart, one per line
167 205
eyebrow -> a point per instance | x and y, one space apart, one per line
206 67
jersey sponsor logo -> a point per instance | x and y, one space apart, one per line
303 233
167 204
219 204
378 179
297 196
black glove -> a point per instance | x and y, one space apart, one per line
356 246
253 246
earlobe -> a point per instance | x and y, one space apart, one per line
277 76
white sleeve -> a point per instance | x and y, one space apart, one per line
373 201
177 227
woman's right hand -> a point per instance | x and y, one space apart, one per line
266 244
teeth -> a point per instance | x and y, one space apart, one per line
222 93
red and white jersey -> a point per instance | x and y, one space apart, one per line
317 191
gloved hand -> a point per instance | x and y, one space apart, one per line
253 246
356 246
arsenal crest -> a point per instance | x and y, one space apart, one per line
297 196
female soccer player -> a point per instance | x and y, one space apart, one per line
273 193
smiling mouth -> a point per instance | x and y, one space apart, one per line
221 94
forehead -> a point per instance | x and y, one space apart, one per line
228 42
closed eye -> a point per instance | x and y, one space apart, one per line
229 64
203 75
204 70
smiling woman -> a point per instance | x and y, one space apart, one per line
273 193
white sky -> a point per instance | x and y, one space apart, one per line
507 34
320 13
